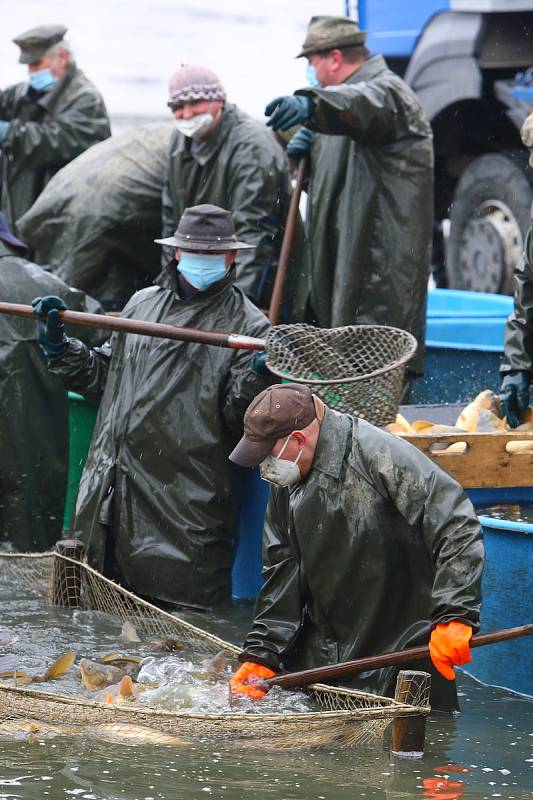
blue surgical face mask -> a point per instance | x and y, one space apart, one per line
201 270
42 80
312 79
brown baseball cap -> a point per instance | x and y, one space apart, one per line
276 412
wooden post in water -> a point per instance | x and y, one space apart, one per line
408 733
65 589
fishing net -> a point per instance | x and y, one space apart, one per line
357 369
344 717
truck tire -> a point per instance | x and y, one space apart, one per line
489 218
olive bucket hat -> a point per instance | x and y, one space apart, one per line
327 33
205 227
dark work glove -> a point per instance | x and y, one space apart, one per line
284 112
514 396
300 144
50 330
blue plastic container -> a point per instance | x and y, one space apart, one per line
251 494
464 346
456 303
507 593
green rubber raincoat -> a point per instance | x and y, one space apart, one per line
375 547
242 168
155 495
44 135
518 351
34 460
370 206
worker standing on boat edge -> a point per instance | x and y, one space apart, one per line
517 363
220 155
46 122
34 453
155 507
370 194
368 547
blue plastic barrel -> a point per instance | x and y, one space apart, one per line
507 594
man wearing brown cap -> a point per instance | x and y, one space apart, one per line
368 548
370 193
155 506
517 364
220 155
45 122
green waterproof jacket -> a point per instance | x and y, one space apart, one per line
155 495
46 131
375 547
518 350
240 167
33 413
370 205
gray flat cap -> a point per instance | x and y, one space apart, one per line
35 42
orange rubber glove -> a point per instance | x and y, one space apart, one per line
243 680
449 647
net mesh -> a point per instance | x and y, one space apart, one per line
348 717
357 369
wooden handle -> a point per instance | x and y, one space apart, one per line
333 671
278 291
156 329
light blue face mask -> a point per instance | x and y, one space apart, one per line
41 80
200 270
312 79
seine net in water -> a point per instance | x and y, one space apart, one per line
335 716
356 369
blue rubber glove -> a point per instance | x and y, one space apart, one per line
4 127
50 330
285 112
514 396
300 144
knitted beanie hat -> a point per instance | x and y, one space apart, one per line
194 82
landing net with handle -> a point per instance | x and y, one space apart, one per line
345 717
356 369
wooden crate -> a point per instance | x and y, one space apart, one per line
497 460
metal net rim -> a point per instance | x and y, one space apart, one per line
399 362
395 709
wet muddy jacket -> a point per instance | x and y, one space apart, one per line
46 132
375 547
33 457
518 351
155 494
240 167
370 205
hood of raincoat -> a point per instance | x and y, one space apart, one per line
363 557
370 205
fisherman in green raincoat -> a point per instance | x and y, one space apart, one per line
370 193
46 122
368 548
220 155
33 407
517 364
155 505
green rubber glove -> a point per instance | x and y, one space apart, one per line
514 396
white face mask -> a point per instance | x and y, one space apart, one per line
280 471
195 127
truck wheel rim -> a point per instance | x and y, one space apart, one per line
490 246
